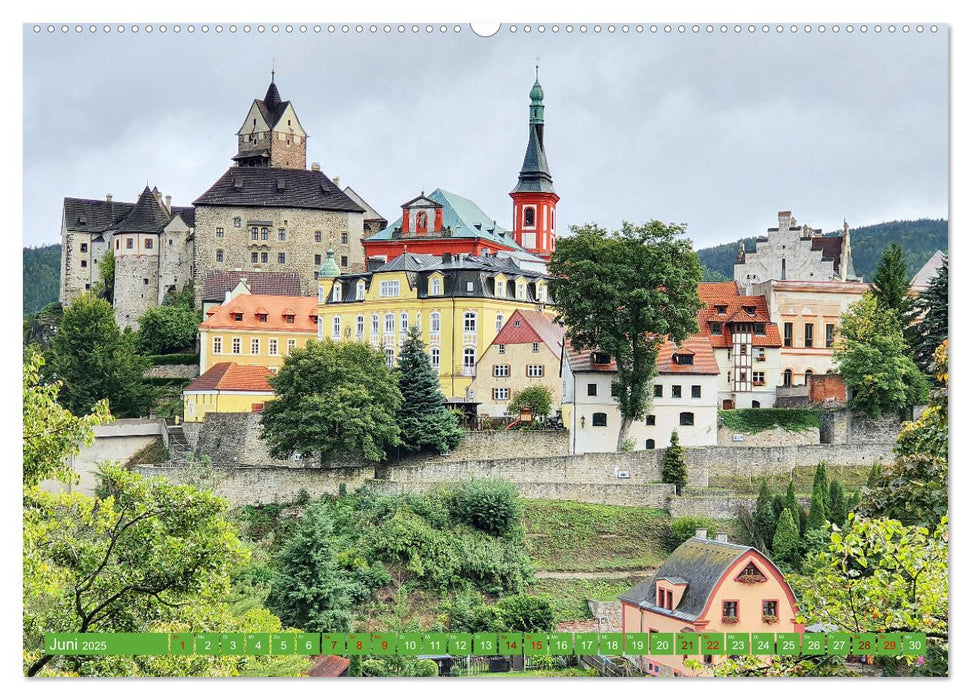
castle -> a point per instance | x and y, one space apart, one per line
266 214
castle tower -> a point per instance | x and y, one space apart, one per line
271 135
534 199
136 250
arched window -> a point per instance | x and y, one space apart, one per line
336 330
389 324
529 216
809 374
756 404
360 289
421 222
404 323
470 319
787 378
500 321
600 420
360 326
375 324
436 322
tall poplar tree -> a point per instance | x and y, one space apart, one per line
623 293
424 420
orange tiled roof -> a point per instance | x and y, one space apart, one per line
726 293
228 376
696 345
329 667
304 309
534 327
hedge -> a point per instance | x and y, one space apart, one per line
168 381
185 358
755 420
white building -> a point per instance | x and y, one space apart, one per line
685 399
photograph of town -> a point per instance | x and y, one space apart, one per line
400 351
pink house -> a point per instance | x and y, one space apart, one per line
709 586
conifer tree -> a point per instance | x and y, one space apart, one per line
821 486
785 543
891 283
928 318
792 505
837 504
817 512
675 470
765 518
424 420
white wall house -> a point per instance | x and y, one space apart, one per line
684 399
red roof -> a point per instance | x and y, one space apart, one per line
218 282
698 346
531 327
228 376
329 667
275 308
726 294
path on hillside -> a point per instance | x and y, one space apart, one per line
572 575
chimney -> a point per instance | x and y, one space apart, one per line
721 536
315 167
785 221
337 181
446 257
168 202
108 197
701 533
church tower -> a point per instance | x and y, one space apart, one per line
271 136
534 199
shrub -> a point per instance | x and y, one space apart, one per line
538 398
178 358
756 420
492 505
682 529
527 613
166 329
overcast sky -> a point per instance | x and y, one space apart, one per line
715 131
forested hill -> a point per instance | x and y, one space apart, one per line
919 239
42 277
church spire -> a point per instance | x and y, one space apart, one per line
535 174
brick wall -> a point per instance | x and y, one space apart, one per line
829 389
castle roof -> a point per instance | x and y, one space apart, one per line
262 282
147 216
698 563
94 215
279 188
463 218
276 308
228 376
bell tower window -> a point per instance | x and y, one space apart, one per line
529 217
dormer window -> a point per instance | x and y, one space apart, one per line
436 286
601 358
360 290
501 288
715 327
750 310
751 574
684 359
238 316
262 317
289 318
721 308
520 291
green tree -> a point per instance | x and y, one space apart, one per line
527 613
333 399
167 329
821 486
680 530
785 543
185 297
150 555
491 504
791 504
675 471
837 503
624 293
765 518
52 434
538 398
928 434
872 359
309 590
104 287
891 283
817 512
927 322
94 360
879 575
423 418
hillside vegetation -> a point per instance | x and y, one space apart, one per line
919 239
42 277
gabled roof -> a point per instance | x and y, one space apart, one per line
228 376
534 327
303 308
277 187
700 563
928 272
698 346
370 213
714 294
147 216
94 215
421 201
464 218
263 282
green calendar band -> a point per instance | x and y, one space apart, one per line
656 644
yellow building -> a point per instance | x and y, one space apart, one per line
227 388
459 304
526 352
252 329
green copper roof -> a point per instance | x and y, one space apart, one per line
536 94
330 268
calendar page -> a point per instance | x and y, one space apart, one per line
516 350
